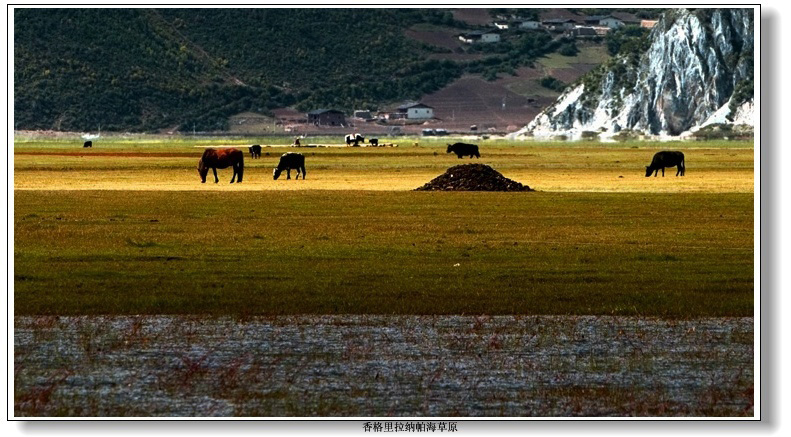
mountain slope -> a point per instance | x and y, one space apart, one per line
695 62
140 69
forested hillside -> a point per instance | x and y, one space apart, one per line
144 69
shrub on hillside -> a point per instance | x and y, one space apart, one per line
552 83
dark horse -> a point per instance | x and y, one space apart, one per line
221 158
287 162
666 159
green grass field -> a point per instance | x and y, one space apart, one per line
138 234
587 55
126 228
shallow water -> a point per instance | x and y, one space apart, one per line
360 365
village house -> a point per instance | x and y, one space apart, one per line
611 22
500 25
616 20
528 24
582 32
416 111
326 117
363 114
648 24
559 24
484 36
601 30
593 20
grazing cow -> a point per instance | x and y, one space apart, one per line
296 142
221 158
287 162
87 144
255 151
374 142
666 159
462 149
354 138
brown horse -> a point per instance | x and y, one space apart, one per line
221 158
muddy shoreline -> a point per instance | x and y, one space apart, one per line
366 366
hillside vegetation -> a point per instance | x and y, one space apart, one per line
145 69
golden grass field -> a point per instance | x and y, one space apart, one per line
604 168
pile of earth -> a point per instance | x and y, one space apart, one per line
472 177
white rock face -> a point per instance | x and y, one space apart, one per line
689 72
742 115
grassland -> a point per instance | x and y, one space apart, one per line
128 229
594 54
349 294
167 165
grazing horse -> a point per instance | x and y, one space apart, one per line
87 144
354 138
287 162
221 158
255 151
463 149
666 159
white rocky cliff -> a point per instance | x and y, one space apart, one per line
695 62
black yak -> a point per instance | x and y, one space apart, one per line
462 149
255 151
666 159
287 162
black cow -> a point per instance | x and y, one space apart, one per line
287 162
666 159
355 139
462 149
255 151
87 144
374 142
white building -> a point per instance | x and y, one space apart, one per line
485 36
416 111
611 22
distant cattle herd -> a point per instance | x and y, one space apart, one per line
213 159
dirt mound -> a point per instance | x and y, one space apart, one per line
472 177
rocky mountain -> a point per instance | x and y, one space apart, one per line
695 65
